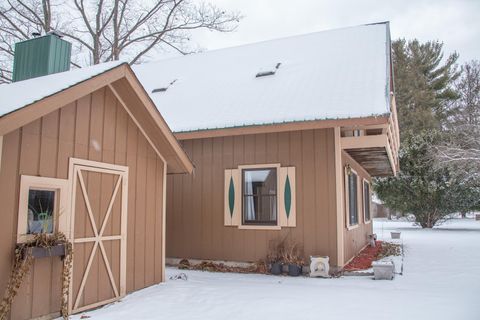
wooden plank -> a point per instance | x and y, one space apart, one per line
307 197
217 197
206 192
339 188
150 219
139 235
9 185
228 163
160 233
196 214
164 198
132 138
66 139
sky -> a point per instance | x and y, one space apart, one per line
456 23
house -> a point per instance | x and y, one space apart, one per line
87 150
285 136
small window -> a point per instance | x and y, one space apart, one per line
259 196
352 198
41 208
366 200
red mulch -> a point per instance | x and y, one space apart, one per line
364 259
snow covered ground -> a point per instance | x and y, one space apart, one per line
441 280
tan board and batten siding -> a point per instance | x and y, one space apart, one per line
195 204
355 238
94 127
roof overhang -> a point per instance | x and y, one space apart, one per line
283 127
122 81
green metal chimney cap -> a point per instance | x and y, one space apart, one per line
41 56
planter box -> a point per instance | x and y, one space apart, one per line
294 270
276 268
41 252
395 234
383 270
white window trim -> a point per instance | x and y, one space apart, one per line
61 212
347 199
259 227
365 181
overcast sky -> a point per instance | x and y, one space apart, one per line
454 22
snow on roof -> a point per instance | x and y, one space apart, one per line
16 95
342 73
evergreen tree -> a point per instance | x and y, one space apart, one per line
425 94
423 84
428 192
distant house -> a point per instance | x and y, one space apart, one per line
285 136
85 153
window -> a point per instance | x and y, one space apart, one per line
352 198
259 196
42 206
366 200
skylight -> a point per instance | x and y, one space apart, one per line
163 88
268 71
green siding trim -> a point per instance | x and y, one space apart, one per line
41 56
231 197
287 197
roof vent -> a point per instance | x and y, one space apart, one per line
163 88
268 72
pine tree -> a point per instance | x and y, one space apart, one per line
423 84
425 93
428 192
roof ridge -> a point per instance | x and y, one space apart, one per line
260 42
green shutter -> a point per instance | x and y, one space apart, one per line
231 197
288 197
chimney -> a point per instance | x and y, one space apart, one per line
40 56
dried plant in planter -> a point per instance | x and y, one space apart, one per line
293 254
285 251
24 260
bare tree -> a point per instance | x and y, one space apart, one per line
106 30
462 144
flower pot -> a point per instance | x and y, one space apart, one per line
294 270
395 234
41 252
276 268
383 270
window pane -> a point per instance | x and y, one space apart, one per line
366 195
257 182
41 204
260 196
352 197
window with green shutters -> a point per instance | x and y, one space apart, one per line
260 196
